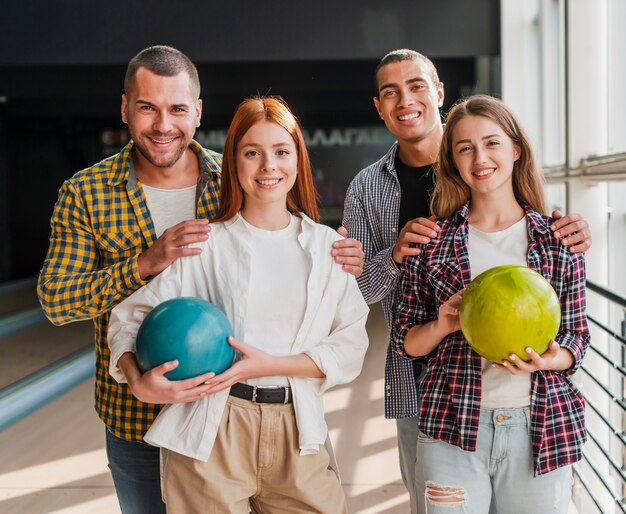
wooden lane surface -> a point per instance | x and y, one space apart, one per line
54 460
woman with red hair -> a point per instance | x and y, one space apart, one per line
258 438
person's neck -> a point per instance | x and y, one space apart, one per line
266 217
184 172
492 213
423 152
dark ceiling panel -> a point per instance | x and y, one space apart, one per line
37 32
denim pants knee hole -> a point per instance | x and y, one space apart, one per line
445 495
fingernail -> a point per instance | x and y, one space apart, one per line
512 357
505 363
557 234
529 350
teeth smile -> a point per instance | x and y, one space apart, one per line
412 116
161 142
269 181
482 173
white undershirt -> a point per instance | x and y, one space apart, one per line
488 249
278 291
170 206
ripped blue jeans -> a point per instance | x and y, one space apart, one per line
495 479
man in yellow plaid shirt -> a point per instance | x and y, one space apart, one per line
119 223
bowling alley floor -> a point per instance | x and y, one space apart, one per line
54 460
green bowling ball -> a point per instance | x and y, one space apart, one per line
506 309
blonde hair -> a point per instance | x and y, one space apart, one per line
451 192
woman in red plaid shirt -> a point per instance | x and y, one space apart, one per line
494 437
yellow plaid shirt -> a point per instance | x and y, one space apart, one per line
100 225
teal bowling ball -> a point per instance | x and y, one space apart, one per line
192 331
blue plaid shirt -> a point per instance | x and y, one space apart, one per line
371 216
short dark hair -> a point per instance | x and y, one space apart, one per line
164 61
404 54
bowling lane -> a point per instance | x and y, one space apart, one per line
18 295
37 346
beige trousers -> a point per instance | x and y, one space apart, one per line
255 463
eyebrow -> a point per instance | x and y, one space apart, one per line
286 143
145 102
395 84
482 139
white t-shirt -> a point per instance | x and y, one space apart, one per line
170 206
488 249
278 280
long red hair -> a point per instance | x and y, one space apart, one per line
302 197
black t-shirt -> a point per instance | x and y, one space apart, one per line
416 186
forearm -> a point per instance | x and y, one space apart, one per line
127 363
563 361
420 340
300 365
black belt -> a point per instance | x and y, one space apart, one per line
262 394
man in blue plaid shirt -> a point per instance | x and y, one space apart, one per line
119 223
386 208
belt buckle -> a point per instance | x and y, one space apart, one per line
286 389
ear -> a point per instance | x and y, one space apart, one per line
440 94
198 112
124 108
516 152
377 104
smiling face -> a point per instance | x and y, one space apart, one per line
162 116
408 100
484 155
267 161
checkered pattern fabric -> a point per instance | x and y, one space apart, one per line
451 389
370 215
100 225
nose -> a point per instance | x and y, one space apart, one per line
268 163
480 155
163 123
406 98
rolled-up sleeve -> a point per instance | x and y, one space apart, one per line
340 355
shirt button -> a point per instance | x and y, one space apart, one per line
393 229
397 194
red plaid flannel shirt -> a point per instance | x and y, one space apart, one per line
451 389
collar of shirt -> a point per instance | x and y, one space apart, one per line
123 169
